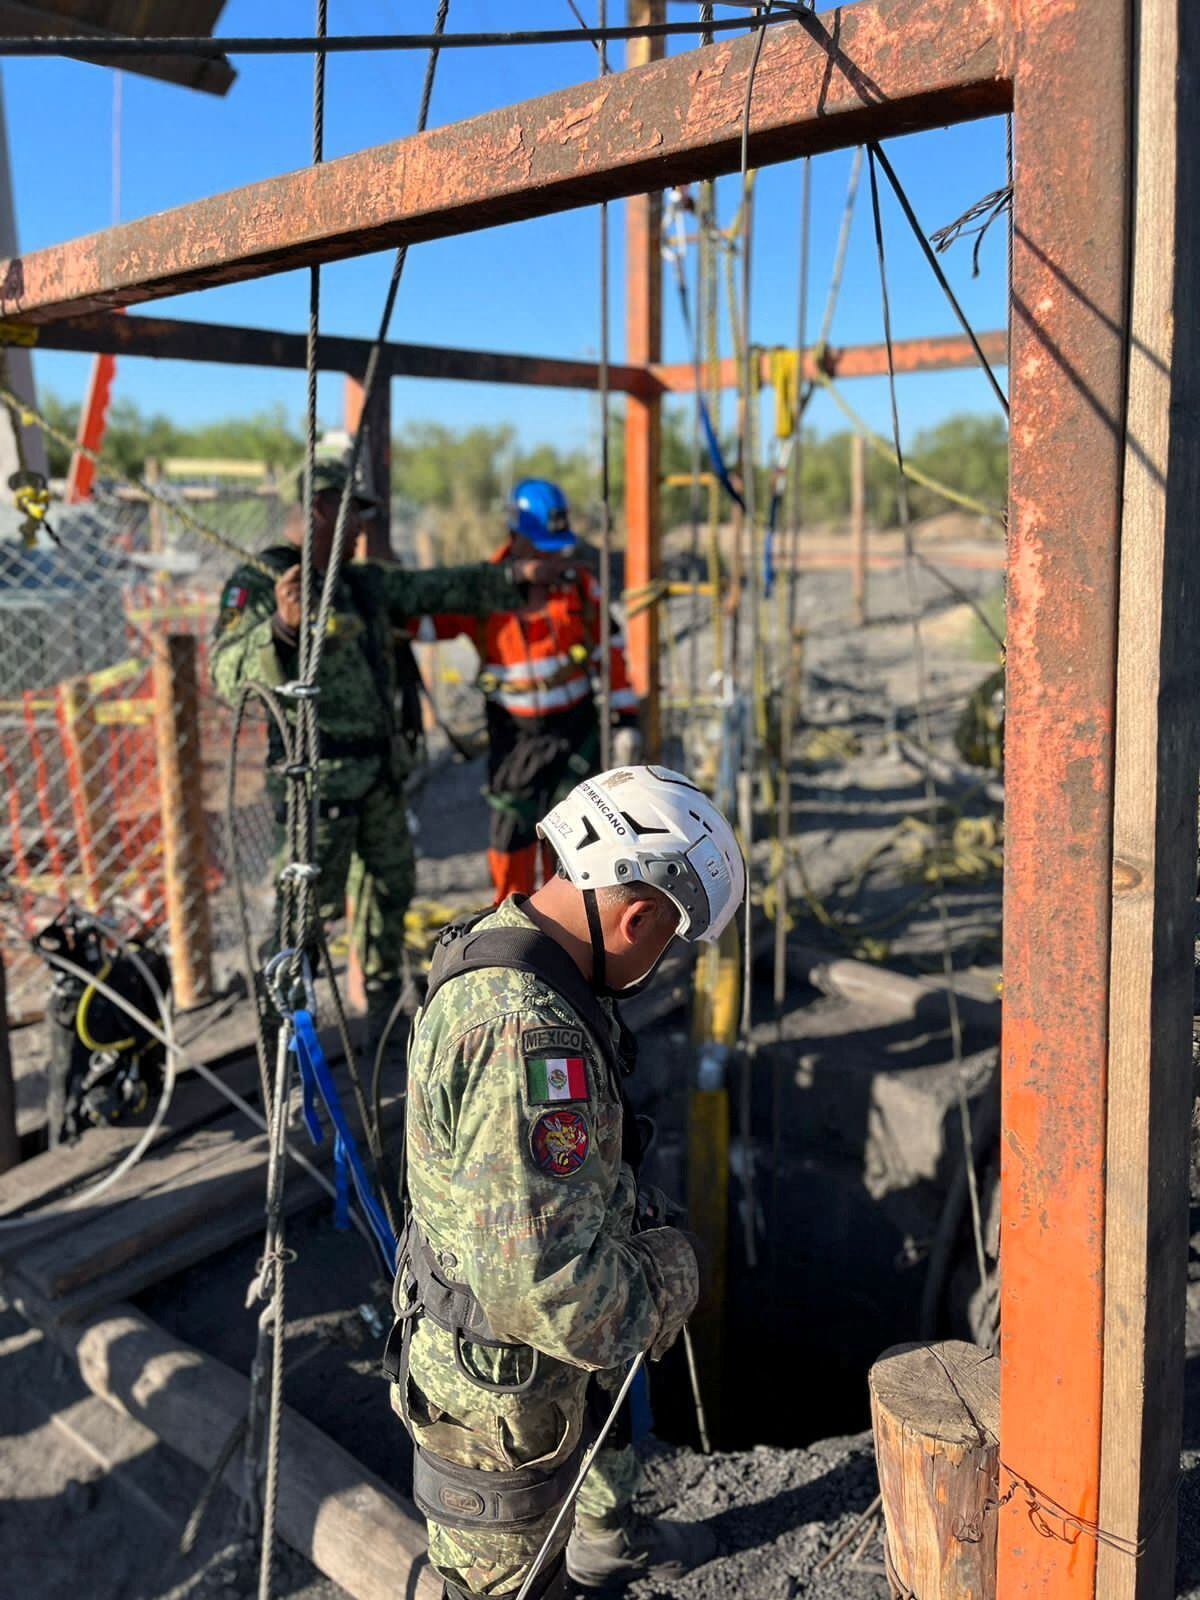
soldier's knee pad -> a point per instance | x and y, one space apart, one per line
503 1502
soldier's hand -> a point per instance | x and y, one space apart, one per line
287 598
546 571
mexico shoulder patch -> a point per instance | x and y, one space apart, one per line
559 1142
235 598
554 1065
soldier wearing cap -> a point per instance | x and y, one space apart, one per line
363 759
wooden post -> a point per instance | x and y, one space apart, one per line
935 1412
376 543
10 1147
1154 829
643 417
858 524
185 844
85 777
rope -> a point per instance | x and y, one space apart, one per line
839 266
297 922
751 747
906 468
341 44
30 417
877 155
785 616
931 796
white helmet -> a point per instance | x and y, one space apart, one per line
654 826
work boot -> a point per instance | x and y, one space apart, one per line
600 1558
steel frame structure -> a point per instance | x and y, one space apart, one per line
1102 736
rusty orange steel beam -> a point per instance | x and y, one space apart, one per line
854 361
1070 331
169 339
823 82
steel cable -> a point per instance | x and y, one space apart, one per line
931 795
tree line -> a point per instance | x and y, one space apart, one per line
459 477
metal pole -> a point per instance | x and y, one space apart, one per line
10 1147
1069 321
643 419
858 525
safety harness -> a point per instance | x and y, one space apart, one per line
465 1497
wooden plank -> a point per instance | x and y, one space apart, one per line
360 1533
162 1197
207 1238
211 74
1154 830
935 1412
48 1177
210 1184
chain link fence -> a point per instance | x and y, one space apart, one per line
113 746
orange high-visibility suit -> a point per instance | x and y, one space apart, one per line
539 671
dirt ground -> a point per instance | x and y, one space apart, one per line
801 1470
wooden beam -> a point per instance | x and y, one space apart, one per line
880 67
1154 829
1068 374
349 1524
211 74
184 829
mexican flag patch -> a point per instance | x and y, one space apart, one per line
550 1078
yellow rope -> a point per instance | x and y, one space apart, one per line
30 418
886 453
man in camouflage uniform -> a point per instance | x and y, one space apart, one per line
523 1198
364 759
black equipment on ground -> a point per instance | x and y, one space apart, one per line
104 1067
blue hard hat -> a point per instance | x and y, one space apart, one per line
538 510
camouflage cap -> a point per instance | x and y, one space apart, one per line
329 472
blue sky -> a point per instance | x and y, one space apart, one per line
528 287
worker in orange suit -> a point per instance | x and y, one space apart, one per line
540 670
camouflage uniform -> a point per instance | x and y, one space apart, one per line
364 759
526 1200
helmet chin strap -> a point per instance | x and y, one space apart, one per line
600 956
596 934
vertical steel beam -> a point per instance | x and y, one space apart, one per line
643 416
376 543
858 526
1071 102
